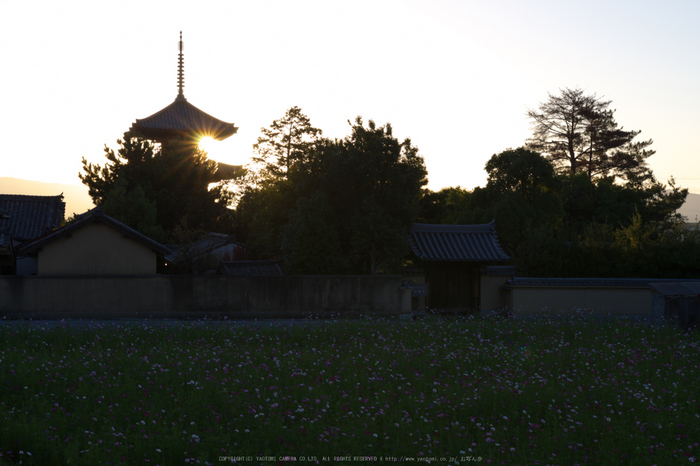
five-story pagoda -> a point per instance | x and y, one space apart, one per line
181 123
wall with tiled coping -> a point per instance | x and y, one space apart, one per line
41 297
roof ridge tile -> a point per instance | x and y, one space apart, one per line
464 243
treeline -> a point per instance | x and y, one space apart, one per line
578 199
564 225
330 206
161 191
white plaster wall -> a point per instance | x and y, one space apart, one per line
96 249
596 301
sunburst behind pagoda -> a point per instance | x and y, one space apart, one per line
182 121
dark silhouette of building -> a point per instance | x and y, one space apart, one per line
452 256
183 123
23 218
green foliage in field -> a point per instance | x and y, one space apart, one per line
562 392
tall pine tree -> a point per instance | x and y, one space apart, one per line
578 134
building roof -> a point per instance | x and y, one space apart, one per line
250 268
220 245
677 288
27 217
181 118
665 284
578 282
95 215
458 243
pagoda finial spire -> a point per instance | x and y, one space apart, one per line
180 72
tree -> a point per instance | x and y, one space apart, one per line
445 206
167 183
265 197
261 214
520 171
132 163
285 143
374 183
578 134
344 206
524 194
311 239
132 208
573 226
603 201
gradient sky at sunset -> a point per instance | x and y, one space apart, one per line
455 76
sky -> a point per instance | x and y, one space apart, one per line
456 77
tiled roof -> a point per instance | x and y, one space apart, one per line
578 282
28 217
657 283
677 288
250 268
181 118
225 247
95 215
462 243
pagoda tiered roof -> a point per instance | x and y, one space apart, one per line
181 119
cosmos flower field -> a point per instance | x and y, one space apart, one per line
447 391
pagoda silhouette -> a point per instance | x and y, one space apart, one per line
183 125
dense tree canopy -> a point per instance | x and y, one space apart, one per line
579 134
522 191
578 200
285 143
570 225
520 171
374 183
154 189
346 209
447 206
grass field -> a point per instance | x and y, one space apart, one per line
452 391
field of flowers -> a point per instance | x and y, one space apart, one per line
452 391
